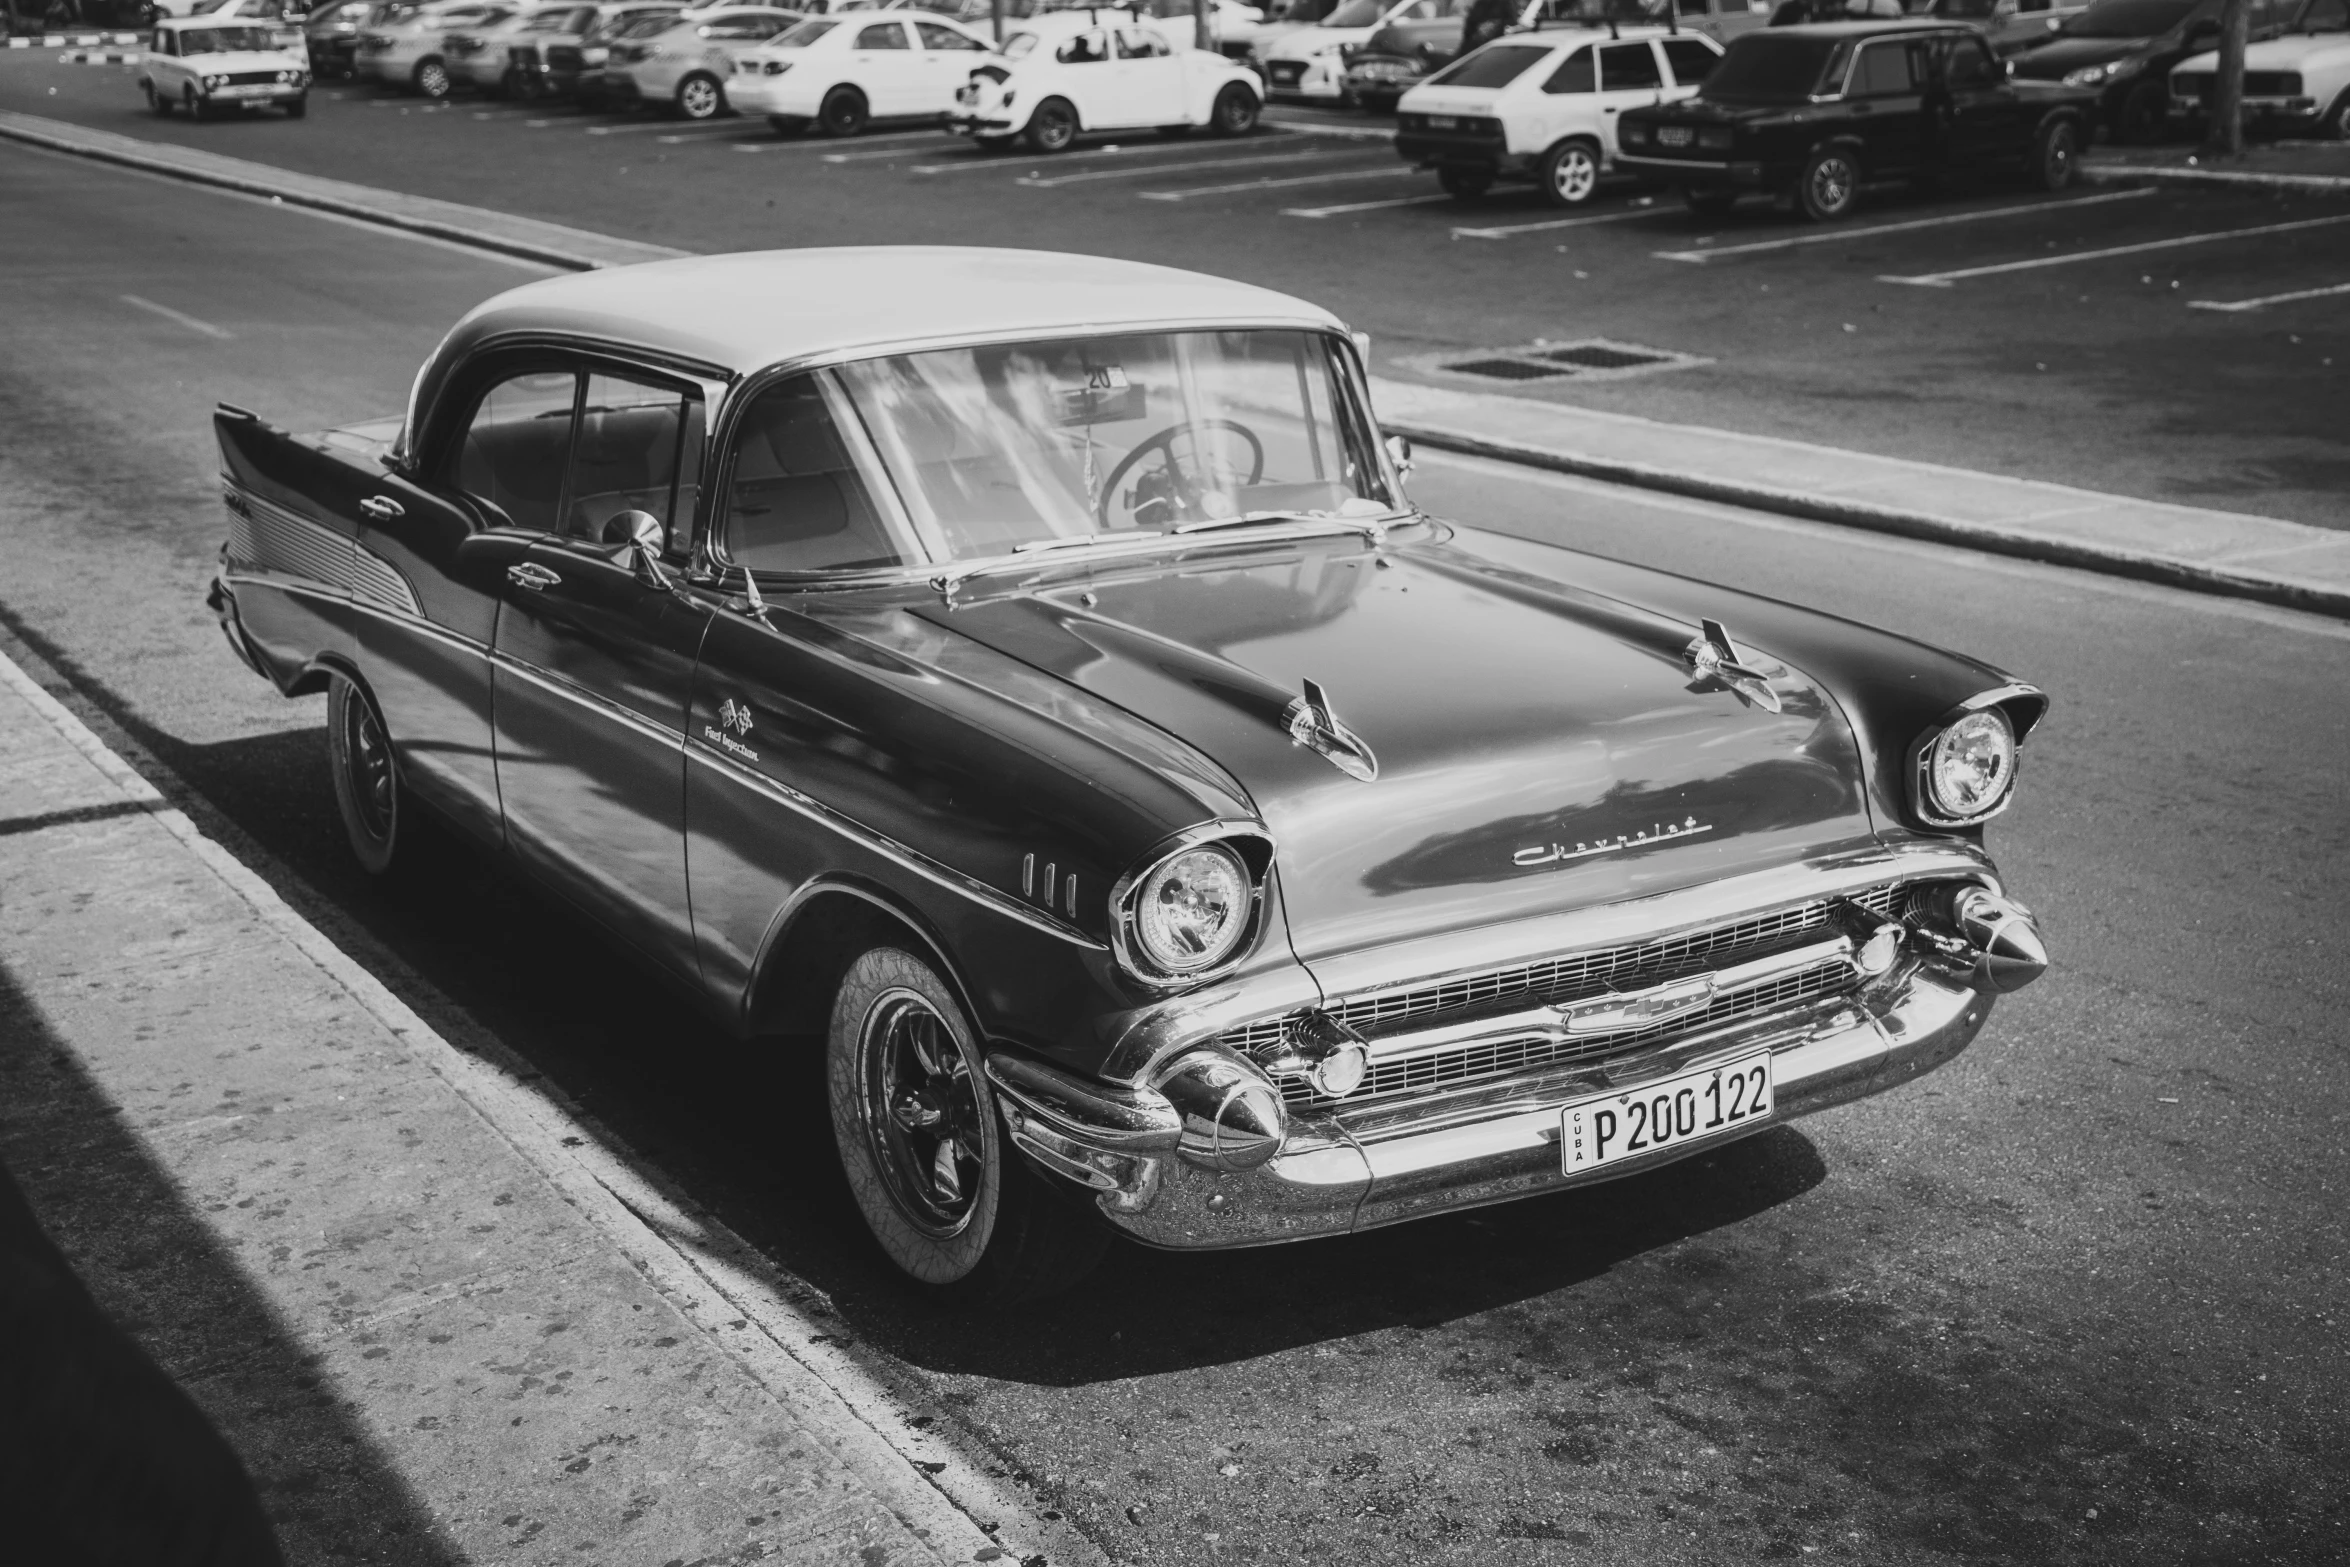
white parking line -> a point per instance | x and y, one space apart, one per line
1945 279
1046 182
1332 177
935 140
169 314
1548 224
706 133
671 127
1362 206
1828 235
980 158
2269 299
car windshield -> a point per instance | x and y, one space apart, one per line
1355 13
1963 10
1495 66
996 448
647 26
559 21
2130 18
1770 68
2323 16
804 34
225 40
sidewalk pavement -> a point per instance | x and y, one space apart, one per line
2233 553
2278 562
440 1319
2273 165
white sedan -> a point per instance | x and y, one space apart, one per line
2297 83
843 71
1054 83
205 65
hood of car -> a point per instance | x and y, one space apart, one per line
247 60
1714 111
1441 34
2289 53
1308 42
1537 747
2060 54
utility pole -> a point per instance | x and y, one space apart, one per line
1203 30
996 11
2226 137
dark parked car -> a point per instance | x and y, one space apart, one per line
1401 55
1039 698
2123 50
332 33
1812 113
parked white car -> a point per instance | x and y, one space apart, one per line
841 72
687 66
476 56
407 45
206 65
1543 106
1054 83
1310 62
2299 81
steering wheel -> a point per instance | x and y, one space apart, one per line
1172 488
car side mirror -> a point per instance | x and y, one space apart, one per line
2007 67
1399 452
641 533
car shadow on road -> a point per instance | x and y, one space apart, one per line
157 1271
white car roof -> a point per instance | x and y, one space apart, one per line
743 312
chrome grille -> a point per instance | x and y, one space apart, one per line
1573 976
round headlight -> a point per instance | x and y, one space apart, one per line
1191 912
1971 765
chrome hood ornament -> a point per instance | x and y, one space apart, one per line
1715 658
1311 724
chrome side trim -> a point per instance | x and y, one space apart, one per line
579 695
417 622
270 537
897 853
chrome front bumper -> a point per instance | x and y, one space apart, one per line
1159 1172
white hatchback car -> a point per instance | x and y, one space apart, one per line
2297 83
204 65
1055 82
1310 62
687 66
841 72
1543 106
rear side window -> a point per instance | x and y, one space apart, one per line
1969 64
1576 73
942 39
883 35
1692 62
516 447
1628 68
795 501
1495 66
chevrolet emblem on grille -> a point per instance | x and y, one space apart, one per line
1613 1014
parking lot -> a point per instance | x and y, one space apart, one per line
2178 343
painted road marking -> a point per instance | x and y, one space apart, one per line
1047 182
2033 263
1362 206
706 133
1330 128
1507 229
2270 299
1296 179
169 314
671 127
824 145
1825 236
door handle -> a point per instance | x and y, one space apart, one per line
381 507
530 574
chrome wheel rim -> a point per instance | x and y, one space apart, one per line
432 80
918 1098
699 100
1575 176
2060 153
367 757
1831 184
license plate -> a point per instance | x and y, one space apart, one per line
1672 1114
1673 135
245 92
1443 122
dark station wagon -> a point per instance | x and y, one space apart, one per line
1043 694
1813 113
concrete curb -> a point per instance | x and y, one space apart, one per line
2138 173
1895 520
750 1311
531 239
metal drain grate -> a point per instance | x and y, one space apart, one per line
1541 360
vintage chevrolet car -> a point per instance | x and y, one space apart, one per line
1054 711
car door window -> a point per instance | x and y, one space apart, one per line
794 499
638 449
1137 43
883 35
1692 61
1880 70
1969 66
516 446
940 39
1576 74
1084 49
746 29
1628 68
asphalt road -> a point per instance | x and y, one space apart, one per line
2076 1297
2085 369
